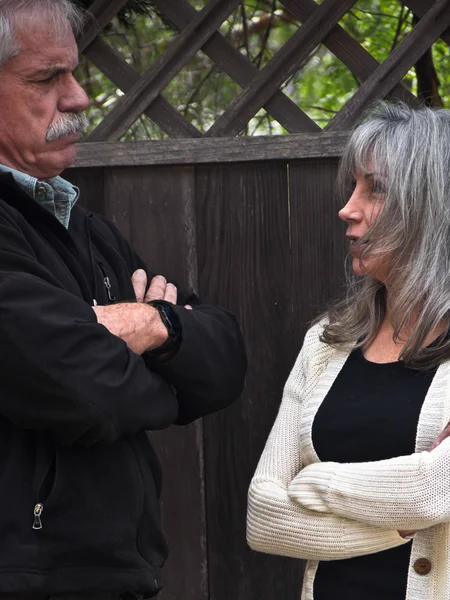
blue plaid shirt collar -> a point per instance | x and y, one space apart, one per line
56 195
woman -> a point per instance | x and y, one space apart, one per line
355 476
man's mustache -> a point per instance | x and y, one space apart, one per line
68 124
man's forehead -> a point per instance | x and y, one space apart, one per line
42 53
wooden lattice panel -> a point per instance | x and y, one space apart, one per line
198 30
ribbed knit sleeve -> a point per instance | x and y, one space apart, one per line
276 524
406 492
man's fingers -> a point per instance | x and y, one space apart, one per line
139 281
188 306
157 289
171 293
161 290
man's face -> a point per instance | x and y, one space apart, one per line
37 89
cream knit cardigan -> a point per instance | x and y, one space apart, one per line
301 507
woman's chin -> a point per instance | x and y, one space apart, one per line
358 268
377 271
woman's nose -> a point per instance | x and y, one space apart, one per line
351 211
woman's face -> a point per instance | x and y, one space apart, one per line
360 212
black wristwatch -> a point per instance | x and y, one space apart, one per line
173 325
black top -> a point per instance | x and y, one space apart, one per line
369 414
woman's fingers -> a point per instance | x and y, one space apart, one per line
406 534
441 437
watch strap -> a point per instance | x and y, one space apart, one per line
172 323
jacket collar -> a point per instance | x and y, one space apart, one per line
47 225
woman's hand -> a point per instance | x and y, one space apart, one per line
441 437
445 433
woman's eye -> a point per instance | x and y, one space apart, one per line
378 188
353 184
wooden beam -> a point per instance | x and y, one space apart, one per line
347 49
211 150
280 67
103 12
395 67
124 77
161 73
227 58
420 9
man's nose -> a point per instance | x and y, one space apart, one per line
74 98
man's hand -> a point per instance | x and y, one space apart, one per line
138 324
445 433
159 288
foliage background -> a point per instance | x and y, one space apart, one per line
258 28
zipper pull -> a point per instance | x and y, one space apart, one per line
37 516
108 289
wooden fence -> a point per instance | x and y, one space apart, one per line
248 223
261 238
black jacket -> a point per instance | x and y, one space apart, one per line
75 403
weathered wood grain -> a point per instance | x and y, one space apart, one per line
347 49
280 67
155 209
92 187
395 67
124 77
157 77
420 9
238 67
244 264
318 240
211 150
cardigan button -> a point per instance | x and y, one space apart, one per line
422 566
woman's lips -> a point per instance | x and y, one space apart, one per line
355 247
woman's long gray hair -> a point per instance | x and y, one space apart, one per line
15 14
408 150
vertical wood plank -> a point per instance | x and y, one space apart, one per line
318 242
91 184
154 208
244 264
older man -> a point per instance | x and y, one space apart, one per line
85 368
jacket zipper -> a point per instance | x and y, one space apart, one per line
38 509
106 280
107 283
91 257
45 480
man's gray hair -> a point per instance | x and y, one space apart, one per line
15 14
408 150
